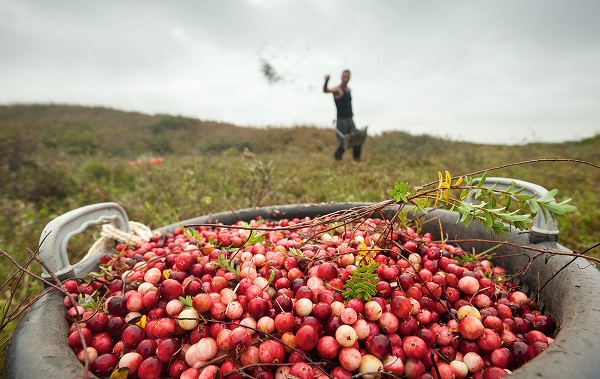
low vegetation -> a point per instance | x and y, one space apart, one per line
54 158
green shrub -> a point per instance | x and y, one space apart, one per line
169 123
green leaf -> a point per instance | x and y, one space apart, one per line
271 278
214 242
254 239
493 202
521 225
534 207
569 208
511 186
554 209
482 179
421 205
222 262
89 302
187 301
523 197
399 192
508 202
297 253
548 197
192 233
489 220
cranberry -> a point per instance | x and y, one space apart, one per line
170 289
117 306
521 352
97 322
104 364
327 271
302 370
271 351
150 368
167 349
414 347
146 347
133 334
378 345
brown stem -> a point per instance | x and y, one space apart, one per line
520 164
21 268
542 251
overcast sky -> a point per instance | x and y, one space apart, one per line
502 72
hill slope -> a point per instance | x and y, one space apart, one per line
76 130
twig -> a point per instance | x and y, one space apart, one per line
541 251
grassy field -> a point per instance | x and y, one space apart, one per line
54 158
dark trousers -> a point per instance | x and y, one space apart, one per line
345 126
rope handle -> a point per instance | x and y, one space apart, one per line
109 233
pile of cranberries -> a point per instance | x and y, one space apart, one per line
218 302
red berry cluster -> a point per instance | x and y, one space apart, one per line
209 304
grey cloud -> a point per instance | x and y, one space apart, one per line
439 67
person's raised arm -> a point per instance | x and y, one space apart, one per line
325 89
336 91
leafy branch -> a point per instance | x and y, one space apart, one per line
495 214
361 284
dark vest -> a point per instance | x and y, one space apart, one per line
344 105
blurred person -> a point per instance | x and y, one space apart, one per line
344 121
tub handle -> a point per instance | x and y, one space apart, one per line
544 229
58 232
